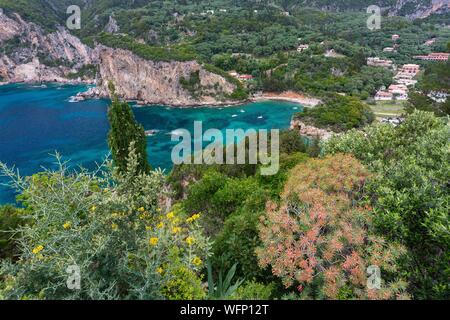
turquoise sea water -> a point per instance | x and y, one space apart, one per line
37 121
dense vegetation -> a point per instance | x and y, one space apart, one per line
309 232
409 193
176 53
338 113
434 81
262 42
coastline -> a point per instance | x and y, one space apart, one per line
67 81
289 96
91 93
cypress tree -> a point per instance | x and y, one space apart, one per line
124 129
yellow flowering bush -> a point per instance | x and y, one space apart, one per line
120 240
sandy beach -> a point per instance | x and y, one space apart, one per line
290 96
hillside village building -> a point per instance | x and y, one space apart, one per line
302 47
402 80
383 96
388 49
435 56
377 62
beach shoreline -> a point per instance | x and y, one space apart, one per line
289 96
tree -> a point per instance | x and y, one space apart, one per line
125 130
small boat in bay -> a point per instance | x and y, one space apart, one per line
150 133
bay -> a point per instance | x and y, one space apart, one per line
37 121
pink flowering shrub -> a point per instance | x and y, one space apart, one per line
319 238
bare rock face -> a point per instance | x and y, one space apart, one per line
112 26
311 131
418 8
30 56
158 82
34 56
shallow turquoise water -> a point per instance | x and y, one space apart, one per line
35 122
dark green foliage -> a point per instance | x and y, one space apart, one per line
217 196
177 53
124 131
314 147
435 80
410 193
275 184
86 72
291 142
10 221
237 243
338 113
192 85
223 288
436 77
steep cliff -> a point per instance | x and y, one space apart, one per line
30 54
409 8
419 8
161 82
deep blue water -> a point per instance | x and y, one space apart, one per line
35 122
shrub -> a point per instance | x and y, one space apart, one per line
410 192
319 241
291 142
112 229
236 243
253 290
11 219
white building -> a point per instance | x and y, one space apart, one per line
302 47
383 96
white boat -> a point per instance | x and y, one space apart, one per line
150 133
76 98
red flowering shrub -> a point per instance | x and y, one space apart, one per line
319 238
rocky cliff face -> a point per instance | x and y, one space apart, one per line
311 131
30 55
409 8
158 82
419 8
